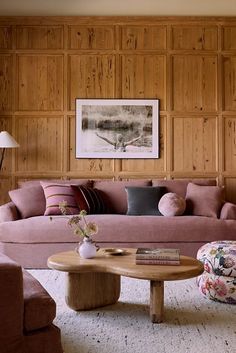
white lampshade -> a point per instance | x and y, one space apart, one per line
7 141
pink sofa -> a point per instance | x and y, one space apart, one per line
32 240
27 313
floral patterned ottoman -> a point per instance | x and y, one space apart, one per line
218 281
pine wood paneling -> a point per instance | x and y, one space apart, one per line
6 77
229 82
230 144
91 37
91 76
149 166
40 140
194 38
194 144
144 76
143 37
229 38
194 83
40 82
5 37
85 166
189 64
39 37
5 185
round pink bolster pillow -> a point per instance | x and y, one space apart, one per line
171 205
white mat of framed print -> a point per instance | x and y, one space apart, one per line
117 128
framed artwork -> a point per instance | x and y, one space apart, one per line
117 128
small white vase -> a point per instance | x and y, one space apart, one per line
87 248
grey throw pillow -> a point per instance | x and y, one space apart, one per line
144 200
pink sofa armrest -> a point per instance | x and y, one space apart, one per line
8 212
11 306
228 211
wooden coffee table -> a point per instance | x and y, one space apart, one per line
92 283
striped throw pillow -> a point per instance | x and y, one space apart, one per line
89 199
56 193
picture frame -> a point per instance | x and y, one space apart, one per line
117 128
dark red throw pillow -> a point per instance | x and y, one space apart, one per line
89 199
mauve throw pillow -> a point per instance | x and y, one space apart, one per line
204 200
171 205
144 200
57 193
29 201
228 211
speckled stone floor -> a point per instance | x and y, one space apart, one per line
192 324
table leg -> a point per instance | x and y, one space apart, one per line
156 301
85 291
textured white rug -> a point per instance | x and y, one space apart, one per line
192 323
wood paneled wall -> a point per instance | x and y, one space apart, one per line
188 63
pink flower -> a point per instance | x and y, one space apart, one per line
207 267
219 287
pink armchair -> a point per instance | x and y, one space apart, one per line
26 313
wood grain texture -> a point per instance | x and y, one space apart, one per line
34 155
156 301
188 63
6 125
86 291
194 144
91 76
39 37
194 83
40 82
6 82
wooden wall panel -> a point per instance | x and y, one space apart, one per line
143 37
229 38
40 140
6 78
144 76
92 37
229 82
194 83
5 37
194 144
86 166
230 144
40 82
39 37
189 64
194 37
91 76
5 185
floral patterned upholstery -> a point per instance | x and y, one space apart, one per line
218 282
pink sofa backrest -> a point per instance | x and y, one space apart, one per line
36 182
114 192
179 186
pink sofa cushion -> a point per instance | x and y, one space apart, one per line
29 201
115 195
204 200
39 307
179 186
57 193
171 205
228 211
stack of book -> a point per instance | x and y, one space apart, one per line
146 256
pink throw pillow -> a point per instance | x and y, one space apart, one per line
56 193
171 205
204 200
29 201
228 211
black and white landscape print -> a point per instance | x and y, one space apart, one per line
117 128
